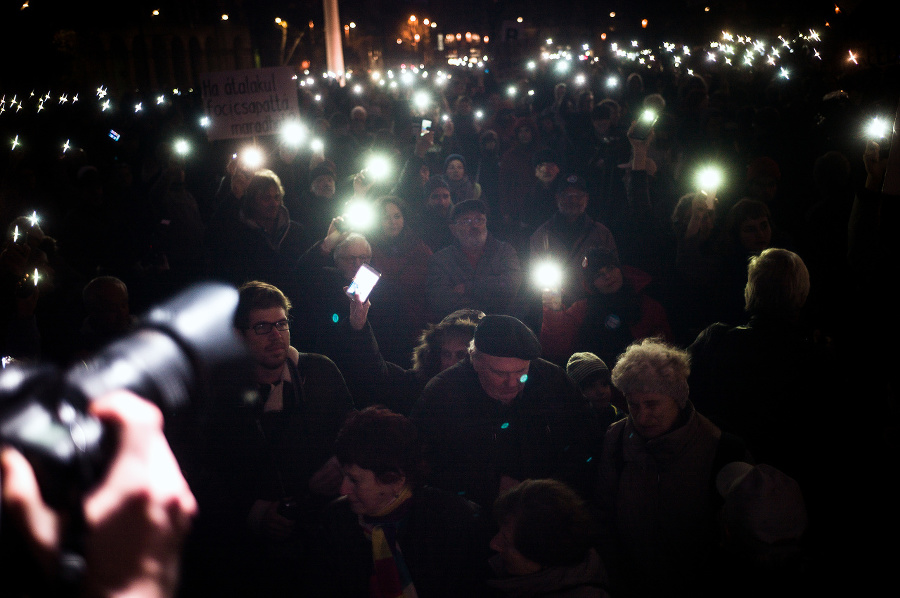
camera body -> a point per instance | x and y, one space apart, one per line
183 349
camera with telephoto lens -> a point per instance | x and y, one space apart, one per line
185 349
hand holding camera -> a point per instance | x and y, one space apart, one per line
136 520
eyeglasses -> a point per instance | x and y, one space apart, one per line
354 258
479 220
262 328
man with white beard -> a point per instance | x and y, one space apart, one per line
478 271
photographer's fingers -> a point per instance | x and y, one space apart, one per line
144 464
23 504
142 511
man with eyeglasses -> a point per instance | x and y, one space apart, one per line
477 272
321 305
270 463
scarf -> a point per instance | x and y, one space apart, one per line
390 577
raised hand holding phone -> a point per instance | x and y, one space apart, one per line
363 283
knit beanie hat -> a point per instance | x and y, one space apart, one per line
582 366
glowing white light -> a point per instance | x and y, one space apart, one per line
877 129
421 100
293 133
709 179
548 275
252 157
182 147
359 215
378 167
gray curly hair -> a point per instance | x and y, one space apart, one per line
651 365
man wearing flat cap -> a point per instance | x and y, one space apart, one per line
504 415
568 235
478 271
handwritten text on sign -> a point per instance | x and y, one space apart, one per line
249 102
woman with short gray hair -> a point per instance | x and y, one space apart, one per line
656 507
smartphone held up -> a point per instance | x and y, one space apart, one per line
365 280
644 124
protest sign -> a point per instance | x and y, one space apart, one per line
248 103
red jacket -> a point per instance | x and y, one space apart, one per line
559 329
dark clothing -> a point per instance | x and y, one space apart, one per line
400 312
487 176
375 381
516 180
605 324
567 243
771 385
433 229
315 213
243 251
409 184
586 579
656 505
490 285
254 455
321 302
443 540
472 440
539 206
271 455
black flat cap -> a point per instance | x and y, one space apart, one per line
505 336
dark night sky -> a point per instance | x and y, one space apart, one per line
30 41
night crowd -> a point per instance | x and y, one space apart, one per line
699 403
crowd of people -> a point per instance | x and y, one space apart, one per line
666 416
